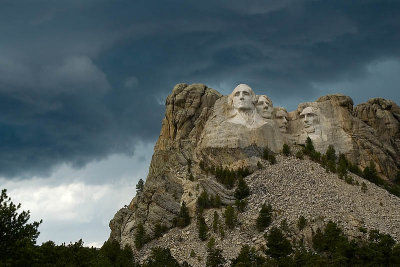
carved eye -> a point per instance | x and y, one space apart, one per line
237 93
260 103
302 116
246 93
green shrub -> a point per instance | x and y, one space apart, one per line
299 155
362 229
348 179
266 153
259 165
241 204
286 150
271 159
302 222
159 230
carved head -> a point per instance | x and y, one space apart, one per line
309 118
264 106
281 116
242 98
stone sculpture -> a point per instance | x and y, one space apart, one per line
201 125
265 106
310 119
243 103
281 118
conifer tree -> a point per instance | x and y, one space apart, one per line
343 165
17 236
331 158
214 256
230 217
215 222
278 245
309 148
202 227
140 236
217 201
183 218
264 217
139 186
248 257
242 189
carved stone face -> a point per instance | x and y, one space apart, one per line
281 119
243 97
264 107
309 118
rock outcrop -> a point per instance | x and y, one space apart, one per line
167 184
202 126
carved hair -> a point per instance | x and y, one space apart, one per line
253 95
276 109
266 97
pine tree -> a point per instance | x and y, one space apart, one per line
17 236
139 187
309 148
264 217
203 200
242 189
230 217
202 227
214 256
248 257
217 201
183 218
215 222
331 158
161 257
343 165
278 245
159 230
140 236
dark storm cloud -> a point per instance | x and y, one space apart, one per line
83 79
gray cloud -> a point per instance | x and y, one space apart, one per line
80 80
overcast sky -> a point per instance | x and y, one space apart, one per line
83 84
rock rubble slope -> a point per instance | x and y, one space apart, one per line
294 188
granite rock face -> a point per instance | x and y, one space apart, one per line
368 132
167 184
202 126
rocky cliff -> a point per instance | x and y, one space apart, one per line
202 127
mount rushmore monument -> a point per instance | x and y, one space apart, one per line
201 126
